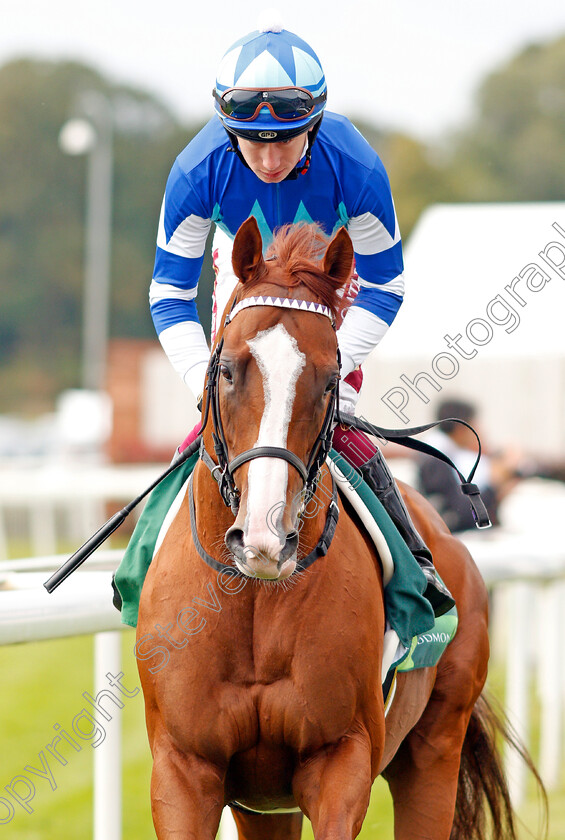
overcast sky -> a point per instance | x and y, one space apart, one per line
411 64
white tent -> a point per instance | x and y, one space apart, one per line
483 319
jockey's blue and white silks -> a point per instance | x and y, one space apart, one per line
346 185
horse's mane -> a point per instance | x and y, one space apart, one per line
297 251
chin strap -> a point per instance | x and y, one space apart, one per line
302 170
234 147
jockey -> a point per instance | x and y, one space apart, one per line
272 151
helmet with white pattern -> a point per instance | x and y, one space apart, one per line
270 86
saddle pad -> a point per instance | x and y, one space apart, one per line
130 574
408 612
424 652
426 647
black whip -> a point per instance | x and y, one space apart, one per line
96 540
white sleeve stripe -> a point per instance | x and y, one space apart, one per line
396 285
360 332
370 236
188 240
165 291
186 347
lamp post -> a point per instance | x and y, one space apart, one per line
92 134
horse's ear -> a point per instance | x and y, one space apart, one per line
338 259
247 254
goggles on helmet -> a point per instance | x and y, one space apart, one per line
285 104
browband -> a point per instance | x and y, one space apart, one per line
281 303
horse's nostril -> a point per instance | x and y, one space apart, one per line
234 542
290 546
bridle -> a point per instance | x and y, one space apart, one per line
223 471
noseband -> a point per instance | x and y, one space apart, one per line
223 471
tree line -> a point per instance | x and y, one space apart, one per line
512 150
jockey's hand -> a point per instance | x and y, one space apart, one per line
348 397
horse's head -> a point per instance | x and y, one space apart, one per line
277 371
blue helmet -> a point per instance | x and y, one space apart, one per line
270 86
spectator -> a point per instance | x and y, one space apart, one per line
497 474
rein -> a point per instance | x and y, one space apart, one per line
404 437
224 469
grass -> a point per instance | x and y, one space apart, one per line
42 685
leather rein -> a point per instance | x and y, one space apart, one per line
223 471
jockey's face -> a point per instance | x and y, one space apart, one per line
272 162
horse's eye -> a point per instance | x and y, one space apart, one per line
332 385
225 373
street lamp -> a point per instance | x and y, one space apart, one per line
92 134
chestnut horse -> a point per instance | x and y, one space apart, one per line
270 696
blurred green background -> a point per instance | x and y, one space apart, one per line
512 150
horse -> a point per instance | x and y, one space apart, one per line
270 699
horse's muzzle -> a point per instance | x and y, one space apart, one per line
262 562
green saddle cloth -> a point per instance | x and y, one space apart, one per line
130 574
425 651
426 648
408 612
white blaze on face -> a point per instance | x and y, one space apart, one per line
280 362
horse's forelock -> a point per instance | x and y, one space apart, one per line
297 251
